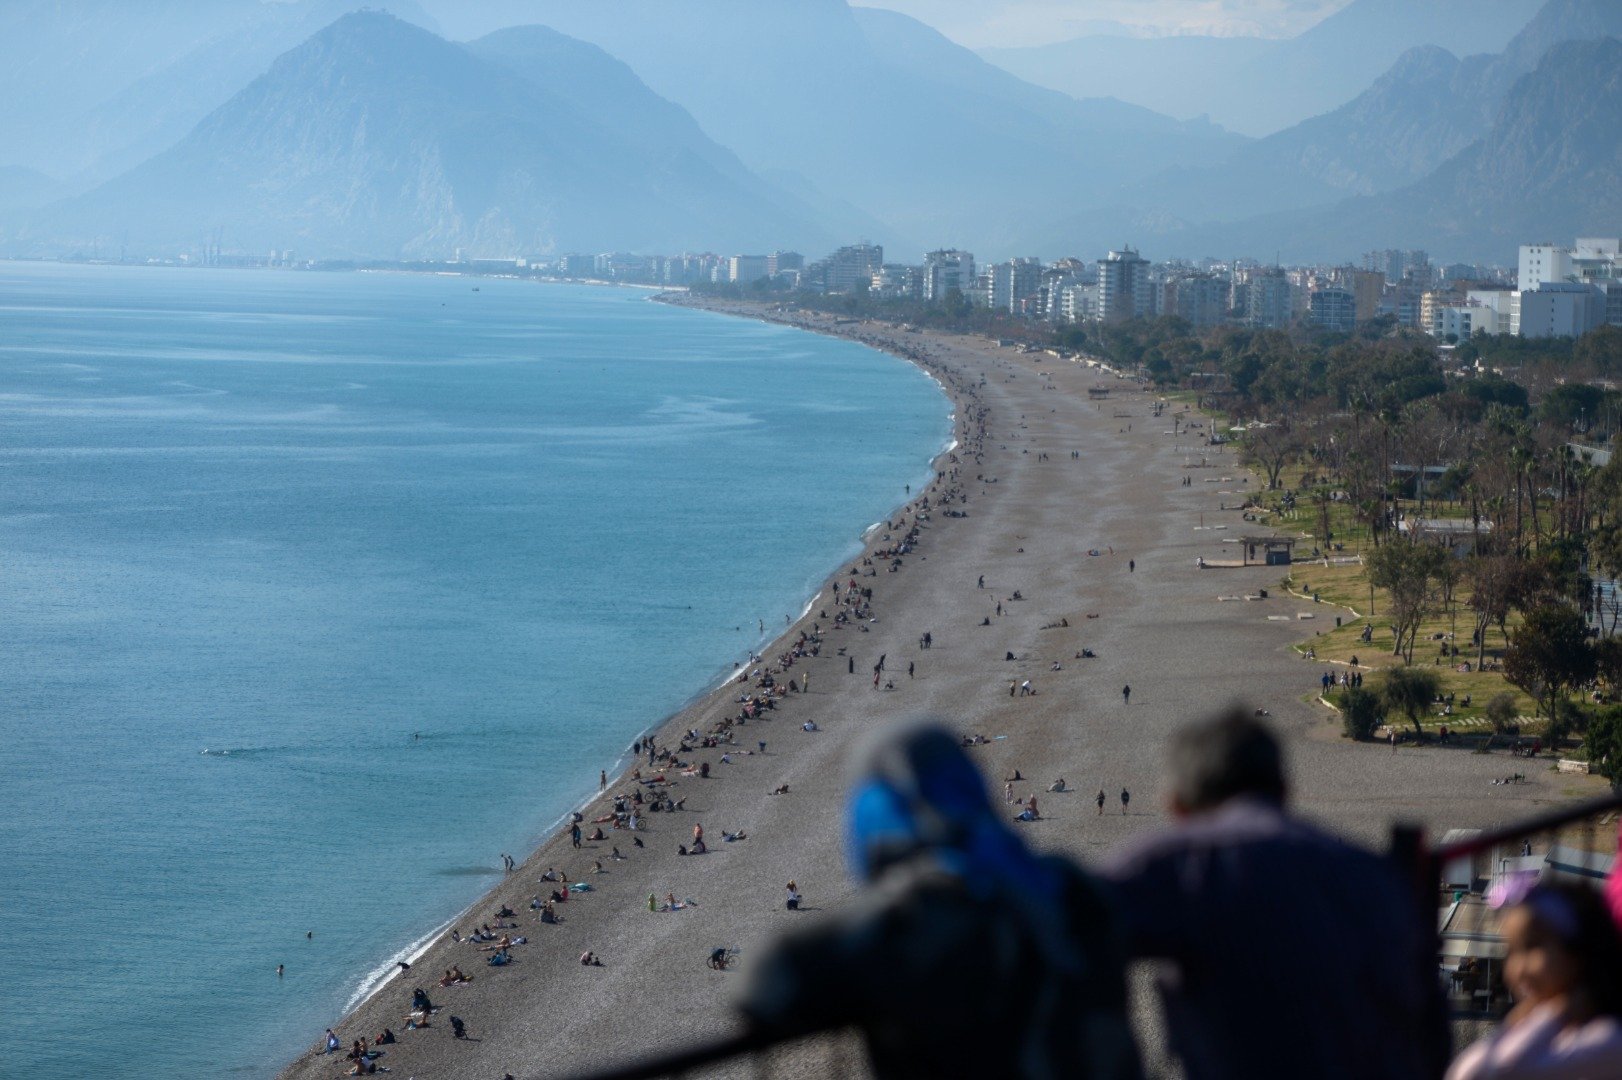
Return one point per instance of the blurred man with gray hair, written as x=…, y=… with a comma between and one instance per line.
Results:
x=1288, y=952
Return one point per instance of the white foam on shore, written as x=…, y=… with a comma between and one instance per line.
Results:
x=386, y=972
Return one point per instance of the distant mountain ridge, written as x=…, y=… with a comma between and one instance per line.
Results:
x=1423, y=112
x=1549, y=166
x=1259, y=87
x=378, y=139
x=873, y=109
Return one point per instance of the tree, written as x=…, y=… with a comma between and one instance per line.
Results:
x=1410, y=691
x=1404, y=568
x=1497, y=583
x=1604, y=743
x=1501, y=711
x=1549, y=653
x=1361, y=711
x=1272, y=446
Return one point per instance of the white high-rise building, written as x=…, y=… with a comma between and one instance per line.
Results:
x=1562, y=309
x=1123, y=286
x=1014, y=281
x=948, y=270
x=1540, y=263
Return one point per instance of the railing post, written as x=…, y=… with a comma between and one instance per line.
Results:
x=1418, y=867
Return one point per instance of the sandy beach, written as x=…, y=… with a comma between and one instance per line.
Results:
x=1077, y=505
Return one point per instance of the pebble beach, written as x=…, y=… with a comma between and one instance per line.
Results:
x=1060, y=522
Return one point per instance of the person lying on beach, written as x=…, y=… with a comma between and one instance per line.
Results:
x=417, y=1019
x=810, y=725
x=783, y=790
x=505, y=912
x=731, y=837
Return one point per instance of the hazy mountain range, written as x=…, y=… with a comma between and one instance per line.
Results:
x=747, y=125
x=375, y=138
x=1257, y=86
x=1425, y=119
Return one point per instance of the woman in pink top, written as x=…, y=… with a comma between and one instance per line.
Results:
x=1565, y=970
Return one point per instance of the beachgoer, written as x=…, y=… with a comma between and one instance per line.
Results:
x=333, y=1042
x=1126, y=695
x=793, y=901
x=996, y=962
x=279, y=970
x=1237, y=893
x=1126, y=797
x=1100, y=801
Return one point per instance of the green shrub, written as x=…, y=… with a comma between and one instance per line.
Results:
x=1361, y=711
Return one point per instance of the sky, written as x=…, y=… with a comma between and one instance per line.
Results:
x=983, y=23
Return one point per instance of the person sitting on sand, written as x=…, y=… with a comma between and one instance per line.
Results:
x=718, y=959
x=498, y=959
x=590, y=959
x=1057, y=785
x=419, y=1000
x=782, y=790
x=363, y=1066
x=384, y=1038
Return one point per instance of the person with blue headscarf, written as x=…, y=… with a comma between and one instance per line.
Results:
x=965, y=953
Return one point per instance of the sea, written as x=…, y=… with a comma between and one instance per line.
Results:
x=320, y=591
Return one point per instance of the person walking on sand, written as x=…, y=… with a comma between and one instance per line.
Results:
x=1100, y=802
x=876, y=672
x=1131, y=566
x=574, y=834
x=1126, y=695
x=1126, y=797
x=910, y=667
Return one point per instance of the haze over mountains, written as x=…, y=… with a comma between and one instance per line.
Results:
x=750, y=125
x=377, y=139
x=1256, y=86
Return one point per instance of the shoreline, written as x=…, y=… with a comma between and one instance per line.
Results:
x=1158, y=627
x=388, y=972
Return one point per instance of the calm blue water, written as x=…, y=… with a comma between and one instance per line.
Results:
x=293, y=519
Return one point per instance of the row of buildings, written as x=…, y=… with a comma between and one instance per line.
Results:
x=1555, y=291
